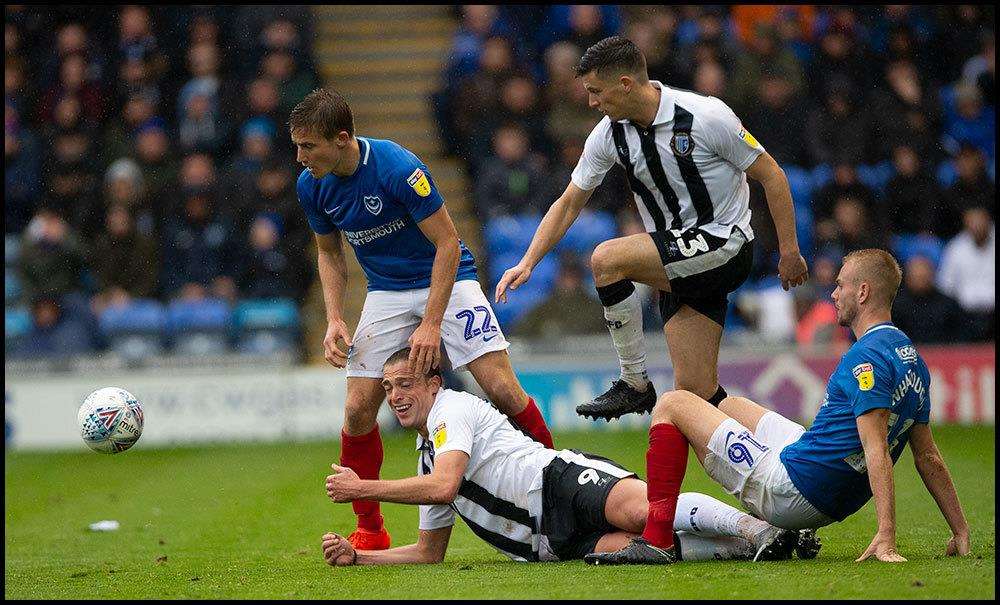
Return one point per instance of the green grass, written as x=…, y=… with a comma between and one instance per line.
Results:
x=245, y=522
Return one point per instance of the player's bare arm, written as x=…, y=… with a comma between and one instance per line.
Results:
x=333, y=277
x=873, y=428
x=425, y=342
x=557, y=220
x=431, y=546
x=439, y=487
x=934, y=473
x=792, y=267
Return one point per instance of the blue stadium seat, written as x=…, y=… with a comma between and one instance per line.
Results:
x=876, y=176
x=801, y=184
x=906, y=247
x=134, y=330
x=199, y=327
x=11, y=250
x=17, y=325
x=589, y=230
x=513, y=233
x=12, y=289
x=266, y=326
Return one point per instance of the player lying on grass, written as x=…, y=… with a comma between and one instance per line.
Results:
x=877, y=401
x=530, y=502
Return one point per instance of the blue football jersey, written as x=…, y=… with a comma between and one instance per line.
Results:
x=377, y=209
x=881, y=370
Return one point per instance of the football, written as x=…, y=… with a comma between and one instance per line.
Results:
x=110, y=420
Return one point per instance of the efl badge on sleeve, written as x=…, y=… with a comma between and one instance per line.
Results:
x=865, y=374
x=440, y=435
x=419, y=183
x=682, y=144
x=748, y=138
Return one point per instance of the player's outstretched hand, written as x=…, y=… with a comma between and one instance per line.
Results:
x=958, y=546
x=884, y=549
x=343, y=485
x=512, y=278
x=336, y=330
x=792, y=270
x=425, y=348
x=337, y=551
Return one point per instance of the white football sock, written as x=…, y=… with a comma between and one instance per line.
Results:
x=704, y=548
x=624, y=321
x=705, y=516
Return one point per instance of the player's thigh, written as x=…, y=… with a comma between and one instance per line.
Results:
x=633, y=257
x=627, y=506
x=694, y=417
x=364, y=397
x=469, y=328
x=614, y=541
x=744, y=411
x=386, y=324
x=493, y=372
x=693, y=340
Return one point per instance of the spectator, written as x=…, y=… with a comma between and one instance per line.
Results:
x=710, y=79
x=119, y=134
x=293, y=82
x=839, y=130
x=256, y=136
x=569, y=310
x=476, y=100
x=124, y=186
x=923, y=312
x=262, y=102
x=906, y=112
x=972, y=188
x=52, y=258
x=968, y=271
x=198, y=252
x=778, y=120
x=57, y=330
x=273, y=194
x=850, y=229
x=513, y=181
x=912, y=195
x=125, y=262
x=152, y=153
x=972, y=123
x=845, y=183
x=22, y=172
x=73, y=82
x=657, y=47
x=816, y=319
x=765, y=54
x=200, y=120
x=268, y=270
x=981, y=70
x=839, y=59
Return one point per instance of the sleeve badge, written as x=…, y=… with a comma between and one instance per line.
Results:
x=865, y=375
x=749, y=139
x=440, y=435
x=419, y=183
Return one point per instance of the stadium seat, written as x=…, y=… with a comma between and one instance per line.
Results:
x=12, y=289
x=134, y=330
x=17, y=325
x=876, y=176
x=906, y=247
x=199, y=327
x=511, y=233
x=266, y=326
x=589, y=230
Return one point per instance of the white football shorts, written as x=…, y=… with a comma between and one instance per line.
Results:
x=388, y=319
x=747, y=465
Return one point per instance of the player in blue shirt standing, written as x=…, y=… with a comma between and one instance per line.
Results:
x=877, y=401
x=422, y=282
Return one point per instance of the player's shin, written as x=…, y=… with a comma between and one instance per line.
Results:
x=363, y=454
x=530, y=419
x=666, y=461
x=692, y=547
x=704, y=515
x=623, y=315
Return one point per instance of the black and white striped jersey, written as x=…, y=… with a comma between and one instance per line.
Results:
x=686, y=170
x=500, y=498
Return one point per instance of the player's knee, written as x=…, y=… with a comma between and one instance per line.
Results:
x=669, y=404
x=603, y=262
x=703, y=387
x=507, y=395
x=360, y=416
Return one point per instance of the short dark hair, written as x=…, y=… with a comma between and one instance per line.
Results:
x=615, y=53
x=404, y=355
x=324, y=112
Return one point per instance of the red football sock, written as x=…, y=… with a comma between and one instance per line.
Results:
x=363, y=454
x=530, y=419
x=666, y=462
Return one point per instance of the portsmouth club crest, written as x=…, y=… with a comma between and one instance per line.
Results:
x=373, y=204
x=682, y=144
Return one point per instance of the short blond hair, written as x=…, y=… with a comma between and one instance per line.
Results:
x=880, y=270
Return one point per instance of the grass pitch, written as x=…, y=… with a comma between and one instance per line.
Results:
x=245, y=521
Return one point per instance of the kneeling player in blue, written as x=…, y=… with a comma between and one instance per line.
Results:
x=877, y=401
x=530, y=502
x=422, y=282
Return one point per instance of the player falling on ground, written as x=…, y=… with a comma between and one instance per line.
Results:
x=422, y=283
x=687, y=158
x=877, y=401
x=530, y=502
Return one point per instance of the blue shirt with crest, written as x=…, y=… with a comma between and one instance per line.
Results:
x=377, y=209
x=881, y=370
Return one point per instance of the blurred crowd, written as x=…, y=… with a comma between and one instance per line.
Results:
x=882, y=117
x=145, y=161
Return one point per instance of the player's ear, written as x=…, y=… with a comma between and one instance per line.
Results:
x=627, y=82
x=864, y=292
x=342, y=138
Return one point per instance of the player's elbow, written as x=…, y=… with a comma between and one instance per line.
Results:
x=446, y=492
